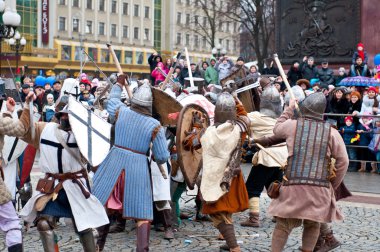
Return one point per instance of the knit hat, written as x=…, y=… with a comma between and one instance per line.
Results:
x=240, y=58
x=357, y=94
x=50, y=96
x=95, y=82
x=361, y=45
x=314, y=81
x=372, y=89
x=348, y=118
x=303, y=81
x=368, y=113
x=25, y=86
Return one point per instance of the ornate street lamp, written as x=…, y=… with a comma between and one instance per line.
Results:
x=218, y=51
x=17, y=44
x=11, y=20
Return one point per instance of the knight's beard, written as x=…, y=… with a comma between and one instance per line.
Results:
x=64, y=124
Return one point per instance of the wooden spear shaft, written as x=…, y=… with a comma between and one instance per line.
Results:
x=120, y=71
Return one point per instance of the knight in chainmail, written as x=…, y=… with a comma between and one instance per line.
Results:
x=265, y=169
x=307, y=194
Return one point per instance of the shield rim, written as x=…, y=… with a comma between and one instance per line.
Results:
x=188, y=181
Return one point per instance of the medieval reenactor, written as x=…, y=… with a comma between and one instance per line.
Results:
x=307, y=194
x=9, y=221
x=265, y=169
x=222, y=184
x=136, y=132
x=65, y=191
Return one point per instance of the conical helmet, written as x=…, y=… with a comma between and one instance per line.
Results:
x=270, y=102
x=143, y=96
x=225, y=108
x=313, y=106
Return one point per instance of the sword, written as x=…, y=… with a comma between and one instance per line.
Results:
x=189, y=68
x=248, y=87
x=165, y=75
x=31, y=118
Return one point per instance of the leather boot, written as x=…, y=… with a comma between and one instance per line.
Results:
x=169, y=234
x=87, y=239
x=252, y=221
x=143, y=232
x=374, y=168
x=101, y=241
x=16, y=248
x=329, y=243
x=119, y=226
x=362, y=167
x=47, y=239
x=228, y=232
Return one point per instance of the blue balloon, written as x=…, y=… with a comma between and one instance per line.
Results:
x=50, y=80
x=376, y=60
x=40, y=81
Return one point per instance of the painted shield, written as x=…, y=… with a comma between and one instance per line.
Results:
x=92, y=132
x=201, y=101
x=13, y=146
x=163, y=105
x=10, y=90
x=190, y=160
x=70, y=87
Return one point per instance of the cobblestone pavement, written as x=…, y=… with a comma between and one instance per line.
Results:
x=360, y=231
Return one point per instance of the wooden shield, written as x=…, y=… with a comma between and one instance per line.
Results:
x=163, y=105
x=190, y=162
x=92, y=132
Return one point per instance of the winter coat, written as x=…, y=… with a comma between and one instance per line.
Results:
x=211, y=75
x=339, y=78
x=357, y=106
x=326, y=76
x=356, y=54
x=366, y=136
x=224, y=69
x=308, y=72
x=368, y=104
x=294, y=74
x=158, y=76
x=271, y=71
x=361, y=70
x=185, y=73
x=348, y=132
x=338, y=107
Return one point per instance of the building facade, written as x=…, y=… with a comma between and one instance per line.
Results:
x=58, y=30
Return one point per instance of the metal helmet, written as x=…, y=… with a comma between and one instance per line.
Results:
x=313, y=106
x=64, y=110
x=265, y=82
x=113, y=78
x=225, y=108
x=142, y=99
x=298, y=93
x=270, y=102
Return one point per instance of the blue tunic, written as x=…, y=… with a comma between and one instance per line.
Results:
x=134, y=132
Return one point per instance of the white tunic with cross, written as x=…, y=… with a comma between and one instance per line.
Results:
x=88, y=213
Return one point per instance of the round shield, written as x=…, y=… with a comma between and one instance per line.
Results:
x=163, y=105
x=190, y=161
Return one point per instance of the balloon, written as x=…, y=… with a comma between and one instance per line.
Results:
x=40, y=81
x=50, y=80
x=376, y=60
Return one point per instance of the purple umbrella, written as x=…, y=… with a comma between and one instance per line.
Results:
x=359, y=81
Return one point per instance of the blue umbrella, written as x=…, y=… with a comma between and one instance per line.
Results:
x=359, y=81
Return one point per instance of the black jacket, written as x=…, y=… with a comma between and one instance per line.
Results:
x=271, y=71
x=308, y=72
x=294, y=74
x=326, y=76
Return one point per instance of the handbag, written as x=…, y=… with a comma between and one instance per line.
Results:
x=45, y=185
x=274, y=189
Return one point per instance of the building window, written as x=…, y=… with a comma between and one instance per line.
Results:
x=228, y=27
x=113, y=30
x=187, y=19
x=179, y=1
x=75, y=25
x=125, y=8
x=204, y=21
x=178, y=38
x=62, y=2
x=204, y=42
x=146, y=12
x=75, y=3
x=136, y=33
x=187, y=2
x=235, y=27
x=228, y=44
x=221, y=41
x=235, y=47
x=89, y=27
x=101, y=5
x=196, y=17
x=187, y=39
x=62, y=24
x=89, y=4
x=125, y=31
x=146, y=32
x=113, y=6
x=220, y=26
x=101, y=28
x=196, y=41
x=179, y=17
x=136, y=11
